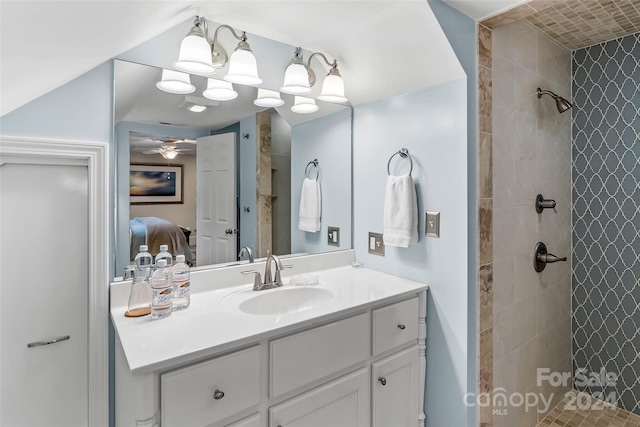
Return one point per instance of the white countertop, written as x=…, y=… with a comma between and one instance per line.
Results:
x=214, y=323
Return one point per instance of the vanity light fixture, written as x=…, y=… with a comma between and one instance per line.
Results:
x=219, y=90
x=303, y=105
x=175, y=82
x=268, y=98
x=199, y=55
x=299, y=78
x=296, y=76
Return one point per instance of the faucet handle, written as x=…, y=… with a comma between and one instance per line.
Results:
x=257, y=280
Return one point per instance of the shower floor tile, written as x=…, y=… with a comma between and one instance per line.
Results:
x=579, y=409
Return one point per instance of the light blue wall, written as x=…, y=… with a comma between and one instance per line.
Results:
x=123, y=160
x=79, y=110
x=432, y=125
x=327, y=139
x=462, y=35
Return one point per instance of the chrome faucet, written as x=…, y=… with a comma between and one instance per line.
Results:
x=269, y=281
x=246, y=250
x=277, y=281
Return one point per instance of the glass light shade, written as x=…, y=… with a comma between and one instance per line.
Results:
x=243, y=68
x=169, y=154
x=219, y=90
x=268, y=98
x=195, y=56
x=296, y=80
x=304, y=105
x=332, y=89
x=175, y=82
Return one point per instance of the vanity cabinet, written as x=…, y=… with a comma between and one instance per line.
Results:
x=359, y=369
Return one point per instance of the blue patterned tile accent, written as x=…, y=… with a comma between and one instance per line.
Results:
x=606, y=219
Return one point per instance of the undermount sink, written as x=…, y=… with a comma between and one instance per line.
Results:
x=285, y=300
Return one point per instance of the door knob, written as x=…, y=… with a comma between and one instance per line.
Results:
x=382, y=380
x=217, y=395
x=228, y=231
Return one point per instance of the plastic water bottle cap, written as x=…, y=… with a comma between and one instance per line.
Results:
x=144, y=248
x=162, y=263
x=164, y=248
x=180, y=258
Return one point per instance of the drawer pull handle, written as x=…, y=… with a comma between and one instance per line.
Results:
x=217, y=395
x=401, y=326
x=382, y=380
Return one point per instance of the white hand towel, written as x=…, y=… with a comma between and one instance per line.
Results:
x=310, y=206
x=400, y=212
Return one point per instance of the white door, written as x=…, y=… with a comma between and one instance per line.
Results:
x=44, y=295
x=216, y=227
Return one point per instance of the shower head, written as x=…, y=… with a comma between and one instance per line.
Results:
x=561, y=103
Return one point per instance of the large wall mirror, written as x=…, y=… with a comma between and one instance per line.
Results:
x=211, y=182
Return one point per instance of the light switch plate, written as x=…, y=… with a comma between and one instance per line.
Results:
x=432, y=228
x=375, y=244
x=333, y=236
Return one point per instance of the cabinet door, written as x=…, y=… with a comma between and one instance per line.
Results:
x=250, y=421
x=395, y=388
x=341, y=403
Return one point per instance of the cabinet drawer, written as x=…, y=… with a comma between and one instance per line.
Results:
x=341, y=403
x=187, y=394
x=311, y=355
x=395, y=325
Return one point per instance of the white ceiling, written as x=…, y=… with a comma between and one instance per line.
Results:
x=482, y=9
x=384, y=48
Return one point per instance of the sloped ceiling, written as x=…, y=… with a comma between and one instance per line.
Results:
x=387, y=47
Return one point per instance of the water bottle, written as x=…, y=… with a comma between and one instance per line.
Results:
x=162, y=291
x=164, y=254
x=181, y=284
x=144, y=260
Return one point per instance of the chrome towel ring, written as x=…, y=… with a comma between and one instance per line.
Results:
x=313, y=163
x=403, y=153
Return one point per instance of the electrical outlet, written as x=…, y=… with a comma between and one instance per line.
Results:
x=376, y=244
x=432, y=221
x=333, y=237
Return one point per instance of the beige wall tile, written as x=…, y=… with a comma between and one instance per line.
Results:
x=484, y=99
x=485, y=230
x=485, y=167
x=485, y=284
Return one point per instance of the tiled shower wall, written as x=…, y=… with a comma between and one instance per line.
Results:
x=606, y=173
x=531, y=155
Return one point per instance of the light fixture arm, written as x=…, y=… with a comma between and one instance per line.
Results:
x=333, y=65
x=242, y=37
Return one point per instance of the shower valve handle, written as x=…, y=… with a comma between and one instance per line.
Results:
x=541, y=257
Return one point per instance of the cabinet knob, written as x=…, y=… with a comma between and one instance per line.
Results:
x=401, y=326
x=217, y=395
x=382, y=380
